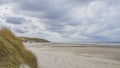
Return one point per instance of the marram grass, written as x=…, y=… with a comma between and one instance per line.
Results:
x=13, y=52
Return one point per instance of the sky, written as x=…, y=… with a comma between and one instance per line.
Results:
x=63, y=20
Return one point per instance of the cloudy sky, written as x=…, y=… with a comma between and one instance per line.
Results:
x=63, y=20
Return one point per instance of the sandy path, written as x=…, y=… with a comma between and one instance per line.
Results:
x=49, y=57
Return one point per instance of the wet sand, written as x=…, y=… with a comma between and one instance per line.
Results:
x=75, y=55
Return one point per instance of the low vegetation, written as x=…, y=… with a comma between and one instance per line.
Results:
x=26, y=39
x=13, y=52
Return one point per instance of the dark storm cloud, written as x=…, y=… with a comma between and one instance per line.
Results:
x=15, y=20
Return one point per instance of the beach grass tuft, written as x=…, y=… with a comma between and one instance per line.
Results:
x=13, y=53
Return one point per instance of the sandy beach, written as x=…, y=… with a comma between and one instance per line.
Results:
x=75, y=56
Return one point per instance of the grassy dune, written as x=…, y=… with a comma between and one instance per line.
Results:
x=13, y=52
x=26, y=39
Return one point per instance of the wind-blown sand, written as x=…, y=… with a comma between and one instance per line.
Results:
x=75, y=56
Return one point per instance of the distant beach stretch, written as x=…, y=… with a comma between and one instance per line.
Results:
x=58, y=55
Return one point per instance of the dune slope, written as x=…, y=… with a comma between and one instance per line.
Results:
x=13, y=53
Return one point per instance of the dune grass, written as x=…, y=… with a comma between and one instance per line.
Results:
x=26, y=39
x=13, y=52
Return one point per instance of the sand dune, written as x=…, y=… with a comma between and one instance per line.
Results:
x=76, y=57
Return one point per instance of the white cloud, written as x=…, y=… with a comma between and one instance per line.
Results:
x=64, y=20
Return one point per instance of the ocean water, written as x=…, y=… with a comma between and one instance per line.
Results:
x=104, y=44
x=73, y=44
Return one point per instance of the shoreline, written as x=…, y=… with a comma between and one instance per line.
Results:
x=62, y=56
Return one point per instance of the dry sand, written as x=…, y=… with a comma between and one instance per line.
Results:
x=75, y=56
